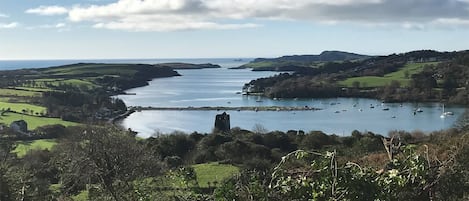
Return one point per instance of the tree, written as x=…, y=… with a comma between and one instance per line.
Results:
x=259, y=129
x=106, y=156
x=6, y=146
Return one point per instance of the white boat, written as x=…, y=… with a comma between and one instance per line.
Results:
x=444, y=113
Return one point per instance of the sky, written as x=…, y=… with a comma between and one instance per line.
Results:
x=126, y=29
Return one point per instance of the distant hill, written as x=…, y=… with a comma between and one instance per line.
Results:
x=188, y=65
x=323, y=57
x=295, y=62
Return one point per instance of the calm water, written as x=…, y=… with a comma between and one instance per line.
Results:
x=218, y=87
x=327, y=120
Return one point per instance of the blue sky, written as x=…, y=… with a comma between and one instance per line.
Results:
x=107, y=29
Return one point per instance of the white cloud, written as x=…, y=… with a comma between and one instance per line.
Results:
x=9, y=25
x=452, y=21
x=173, y=15
x=4, y=15
x=48, y=10
x=60, y=25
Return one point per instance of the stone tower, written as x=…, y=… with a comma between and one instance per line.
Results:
x=222, y=122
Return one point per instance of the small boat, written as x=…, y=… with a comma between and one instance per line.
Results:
x=444, y=114
x=449, y=113
x=361, y=110
x=419, y=110
x=337, y=112
x=385, y=109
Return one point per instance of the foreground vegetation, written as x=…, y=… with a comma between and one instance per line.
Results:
x=105, y=163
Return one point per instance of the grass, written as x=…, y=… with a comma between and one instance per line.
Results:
x=23, y=147
x=82, y=196
x=213, y=172
x=206, y=172
x=73, y=82
x=34, y=89
x=106, y=69
x=375, y=81
x=19, y=107
x=33, y=121
x=23, y=93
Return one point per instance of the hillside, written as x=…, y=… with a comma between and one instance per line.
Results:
x=77, y=93
x=179, y=66
x=423, y=75
x=296, y=62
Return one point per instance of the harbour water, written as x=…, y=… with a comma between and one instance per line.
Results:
x=221, y=87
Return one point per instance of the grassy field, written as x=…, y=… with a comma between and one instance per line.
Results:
x=33, y=121
x=23, y=147
x=23, y=93
x=210, y=172
x=375, y=81
x=19, y=107
x=34, y=89
x=106, y=69
x=73, y=82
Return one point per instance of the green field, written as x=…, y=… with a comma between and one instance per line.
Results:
x=375, y=81
x=33, y=121
x=23, y=147
x=23, y=93
x=34, y=89
x=19, y=107
x=105, y=69
x=73, y=82
x=210, y=172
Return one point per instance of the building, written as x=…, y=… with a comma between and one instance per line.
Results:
x=222, y=122
x=19, y=126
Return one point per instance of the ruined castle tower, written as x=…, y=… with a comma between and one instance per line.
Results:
x=222, y=122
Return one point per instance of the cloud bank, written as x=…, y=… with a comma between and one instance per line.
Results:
x=9, y=25
x=48, y=10
x=174, y=15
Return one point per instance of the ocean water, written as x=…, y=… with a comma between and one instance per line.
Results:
x=19, y=64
